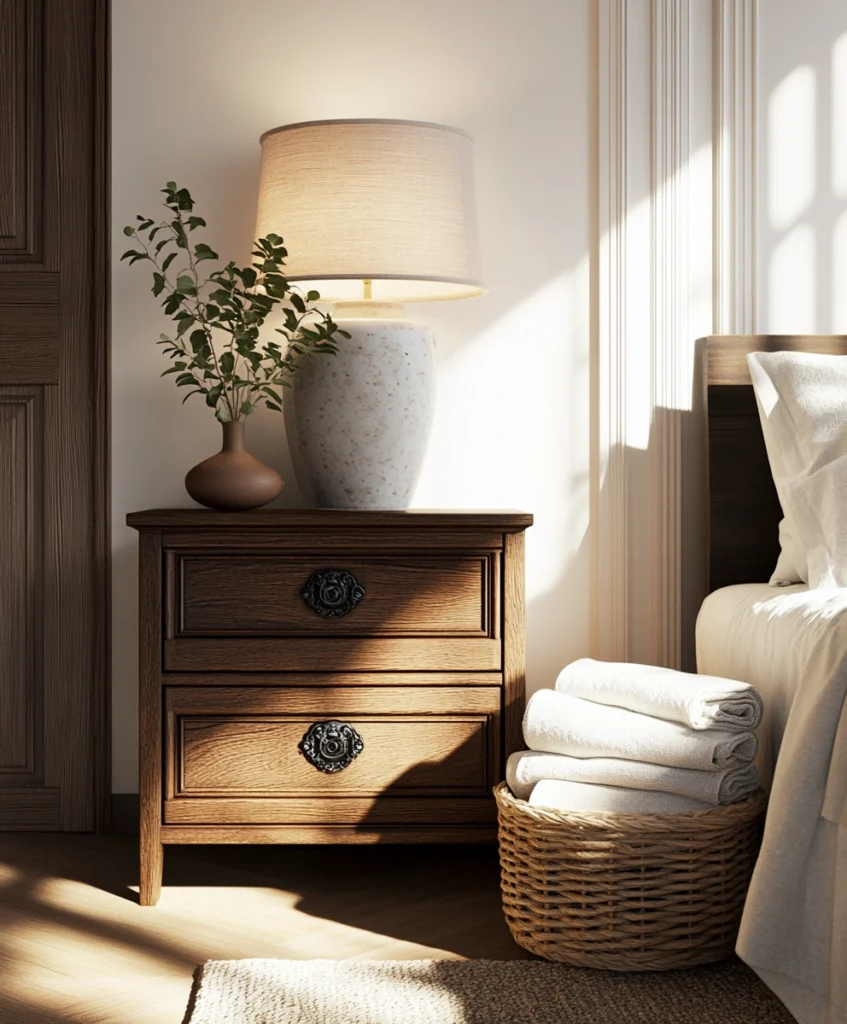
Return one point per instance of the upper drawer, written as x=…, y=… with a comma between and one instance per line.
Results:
x=320, y=612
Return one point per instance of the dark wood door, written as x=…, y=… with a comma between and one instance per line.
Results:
x=53, y=414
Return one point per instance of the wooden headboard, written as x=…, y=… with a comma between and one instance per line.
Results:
x=744, y=511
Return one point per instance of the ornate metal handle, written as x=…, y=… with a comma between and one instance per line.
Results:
x=332, y=592
x=331, y=746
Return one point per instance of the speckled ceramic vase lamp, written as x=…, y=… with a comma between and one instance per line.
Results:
x=374, y=214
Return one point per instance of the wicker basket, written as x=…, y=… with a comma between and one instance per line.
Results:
x=626, y=892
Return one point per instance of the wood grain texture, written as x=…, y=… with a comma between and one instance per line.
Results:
x=30, y=808
x=101, y=377
x=21, y=129
x=514, y=642
x=727, y=353
x=333, y=700
x=227, y=595
x=369, y=812
x=369, y=834
x=244, y=668
x=364, y=540
x=360, y=654
x=150, y=725
x=54, y=347
x=21, y=527
x=744, y=510
x=328, y=518
x=260, y=756
x=73, y=689
x=336, y=679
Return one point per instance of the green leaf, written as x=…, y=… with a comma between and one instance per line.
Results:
x=145, y=223
x=184, y=324
x=183, y=199
x=227, y=363
x=247, y=408
x=248, y=276
x=185, y=284
x=168, y=260
x=199, y=341
x=185, y=378
x=344, y=334
x=161, y=245
x=158, y=284
x=204, y=252
x=296, y=301
x=129, y=231
x=199, y=391
x=272, y=405
x=170, y=186
x=195, y=222
x=221, y=413
x=313, y=296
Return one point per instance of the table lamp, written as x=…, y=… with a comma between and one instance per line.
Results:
x=374, y=214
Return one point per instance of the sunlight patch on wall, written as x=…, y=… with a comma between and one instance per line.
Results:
x=791, y=282
x=839, y=122
x=791, y=148
x=512, y=423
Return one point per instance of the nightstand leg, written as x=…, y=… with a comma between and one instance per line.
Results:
x=152, y=862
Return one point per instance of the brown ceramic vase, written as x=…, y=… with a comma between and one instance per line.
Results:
x=232, y=480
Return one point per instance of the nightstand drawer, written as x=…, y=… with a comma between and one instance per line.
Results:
x=334, y=755
x=264, y=612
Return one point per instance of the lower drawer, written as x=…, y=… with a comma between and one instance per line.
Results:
x=331, y=755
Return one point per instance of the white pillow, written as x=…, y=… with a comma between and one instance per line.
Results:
x=802, y=398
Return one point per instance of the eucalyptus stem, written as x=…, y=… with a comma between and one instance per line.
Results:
x=251, y=371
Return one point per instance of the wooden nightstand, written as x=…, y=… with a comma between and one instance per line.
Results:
x=326, y=676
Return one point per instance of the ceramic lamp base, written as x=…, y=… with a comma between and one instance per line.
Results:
x=358, y=423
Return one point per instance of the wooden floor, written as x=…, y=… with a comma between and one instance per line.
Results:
x=75, y=945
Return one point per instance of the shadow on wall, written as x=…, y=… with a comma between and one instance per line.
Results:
x=636, y=569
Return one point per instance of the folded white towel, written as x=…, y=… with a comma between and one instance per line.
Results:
x=584, y=796
x=701, y=702
x=561, y=724
x=525, y=768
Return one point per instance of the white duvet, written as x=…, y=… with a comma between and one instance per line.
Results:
x=791, y=643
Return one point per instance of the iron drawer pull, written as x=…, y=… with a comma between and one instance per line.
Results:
x=331, y=746
x=332, y=592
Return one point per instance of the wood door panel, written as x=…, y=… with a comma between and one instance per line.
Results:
x=54, y=276
x=427, y=595
x=21, y=470
x=21, y=129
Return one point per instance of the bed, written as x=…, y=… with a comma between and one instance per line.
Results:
x=791, y=643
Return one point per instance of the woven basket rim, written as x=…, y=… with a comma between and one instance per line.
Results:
x=714, y=818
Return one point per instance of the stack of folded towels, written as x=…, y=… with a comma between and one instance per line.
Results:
x=637, y=739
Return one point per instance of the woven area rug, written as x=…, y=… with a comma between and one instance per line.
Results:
x=473, y=992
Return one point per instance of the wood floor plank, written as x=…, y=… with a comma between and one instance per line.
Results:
x=76, y=947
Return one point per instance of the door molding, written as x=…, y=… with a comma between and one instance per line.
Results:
x=55, y=732
x=672, y=256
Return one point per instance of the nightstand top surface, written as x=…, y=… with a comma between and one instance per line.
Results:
x=510, y=521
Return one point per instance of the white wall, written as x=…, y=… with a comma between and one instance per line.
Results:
x=195, y=82
x=802, y=166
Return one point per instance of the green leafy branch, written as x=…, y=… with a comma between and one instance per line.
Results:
x=215, y=350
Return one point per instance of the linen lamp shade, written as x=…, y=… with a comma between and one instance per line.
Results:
x=376, y=210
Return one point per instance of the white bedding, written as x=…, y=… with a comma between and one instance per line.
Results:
x=791, y=643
